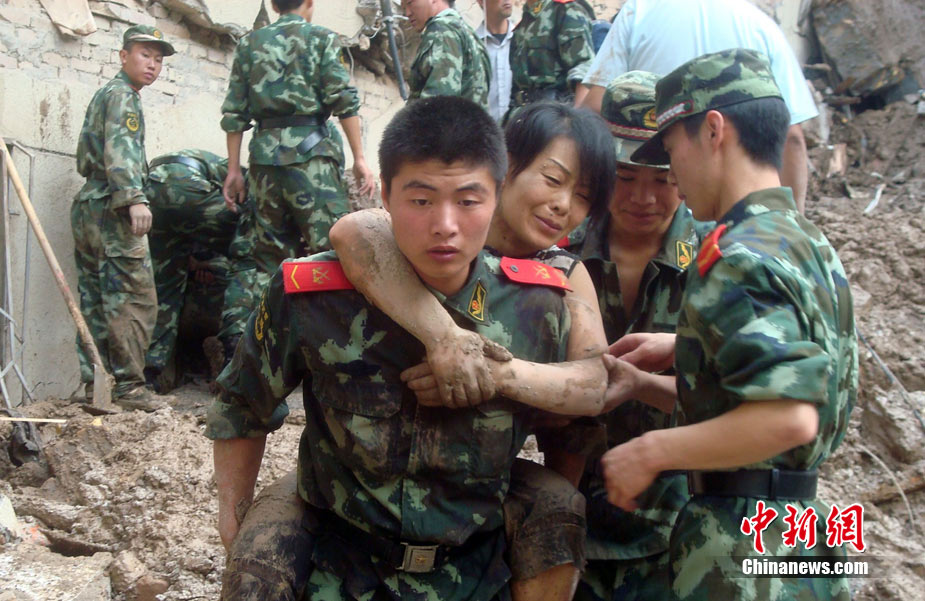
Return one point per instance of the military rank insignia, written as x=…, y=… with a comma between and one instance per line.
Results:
x=477, y=302
x=526, y=271
x=685, y=254
x=260, y=323
x=709, y=250
x=131, y=122
x=314, y=276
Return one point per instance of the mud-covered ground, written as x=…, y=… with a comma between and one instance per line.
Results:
x=139, y=486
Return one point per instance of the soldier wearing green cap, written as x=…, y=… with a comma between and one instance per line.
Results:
x=765, y=352
x=110, y=219
x=551, y=50
x=451, y=60
x=637, y=255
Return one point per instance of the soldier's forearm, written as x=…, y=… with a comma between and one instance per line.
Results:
x=233, y=142
x=351, y=127
x=752, y=432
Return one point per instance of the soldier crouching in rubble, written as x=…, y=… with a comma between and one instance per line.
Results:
x=402, y=499
x=110, y=218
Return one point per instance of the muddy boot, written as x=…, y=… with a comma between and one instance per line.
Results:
x=140, y=398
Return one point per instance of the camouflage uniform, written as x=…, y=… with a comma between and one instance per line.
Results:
x=372, y=457
x=189, y=219
x=628, y=552
x=114, y=276
x=451, y=61
x=292, y=72
x=550, y=51
x=766, y=315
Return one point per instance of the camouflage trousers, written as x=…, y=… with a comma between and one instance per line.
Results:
x=277, y=553
x=296, y=207
x=625, y=580
x=243, y=292
x=185, y=222
x=707, y=548
x=116, y=287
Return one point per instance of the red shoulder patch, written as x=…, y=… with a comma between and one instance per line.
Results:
x=563, y=243
x=709, y=250
x=314, y=276
x=525, y=271
x=563, y=1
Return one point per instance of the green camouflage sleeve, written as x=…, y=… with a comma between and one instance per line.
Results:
x=753, y=332
x=440, y=66
x=338, y=96
x=123, y=149
x=576, y=51
x=236, y=115
x=267, y=365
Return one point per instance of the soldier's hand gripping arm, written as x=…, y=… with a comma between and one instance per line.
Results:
x=575, y=387
x=373, y=263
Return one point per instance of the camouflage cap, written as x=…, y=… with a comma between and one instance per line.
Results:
x=147, y=33
x=707, y=82
x=628, y=107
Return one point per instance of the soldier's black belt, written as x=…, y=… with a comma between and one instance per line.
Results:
x=522, y=97
x=764, y=484
x=194, y=164
x=312, y=139
x=402, y=556
x=292, y=121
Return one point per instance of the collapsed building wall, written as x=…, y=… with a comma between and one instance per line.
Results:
x=54, y=54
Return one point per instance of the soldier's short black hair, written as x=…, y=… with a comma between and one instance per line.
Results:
x=447, y=128
x=762, y=126
x=535, y=126
x=284, y=6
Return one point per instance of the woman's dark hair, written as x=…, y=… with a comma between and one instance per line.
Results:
x=535, y=126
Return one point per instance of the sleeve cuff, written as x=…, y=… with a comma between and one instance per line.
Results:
x=229, y=420
x=127, y=197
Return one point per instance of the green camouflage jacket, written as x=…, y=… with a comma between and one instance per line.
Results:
x=551, y=47
x=451, y=61
x=210, y=175
x=290, y=67
x=613, y=533
x=111, y=146
x=369, y=452
x=771, y=319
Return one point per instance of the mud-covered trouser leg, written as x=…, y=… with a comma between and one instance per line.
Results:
x=170, y=258
x=116, y=287
x=295, y=203
x=544, y=518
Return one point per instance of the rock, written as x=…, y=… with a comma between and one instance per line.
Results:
x=149, y=587
x=9, y=525
x=36, y=573
x=888, y=420
x=848, y=36
x=51, y=513
x=126, y=570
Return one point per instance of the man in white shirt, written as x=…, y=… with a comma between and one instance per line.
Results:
x=496, y=32
x=660, y=35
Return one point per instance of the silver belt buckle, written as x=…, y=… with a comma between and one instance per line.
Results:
x=419, y=558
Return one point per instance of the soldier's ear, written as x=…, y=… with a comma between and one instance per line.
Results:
x=714, y=127
x=384, y=186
